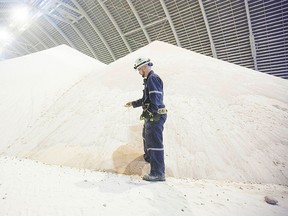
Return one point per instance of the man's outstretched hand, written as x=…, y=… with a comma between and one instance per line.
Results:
x=129, y=104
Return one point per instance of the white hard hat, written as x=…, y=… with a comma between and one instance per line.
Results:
x=140, y=62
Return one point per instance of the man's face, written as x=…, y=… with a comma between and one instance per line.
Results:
x=142, y=70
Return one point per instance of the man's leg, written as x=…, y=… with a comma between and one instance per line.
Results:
x=155, y=148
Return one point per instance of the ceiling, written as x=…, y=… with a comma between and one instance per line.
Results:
x=250, y=33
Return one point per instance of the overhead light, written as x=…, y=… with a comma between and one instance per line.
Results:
x=20, y=15
x=5, y=36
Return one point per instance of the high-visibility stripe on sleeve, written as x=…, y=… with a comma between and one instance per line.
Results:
x=155, y=149
x=156, y=92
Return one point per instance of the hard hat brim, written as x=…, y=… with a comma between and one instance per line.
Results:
x=142, y=63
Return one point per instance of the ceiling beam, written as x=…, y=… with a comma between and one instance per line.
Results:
x=84, y=40
x=170, y=22
x=139, y=20
x=102, y=4
x=70, y=7
x=70, y=20
x=46, y=33
x=79, y=34
x=213, y=49
x=164, y=19
x=48, y=19
x=251, y=36
x=83, y=13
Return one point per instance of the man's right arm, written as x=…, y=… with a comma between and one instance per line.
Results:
x=137, y=103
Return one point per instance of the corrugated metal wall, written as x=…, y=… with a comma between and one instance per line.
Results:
x=249, y=33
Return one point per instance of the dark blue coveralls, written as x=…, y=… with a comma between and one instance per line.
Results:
x=153, y=130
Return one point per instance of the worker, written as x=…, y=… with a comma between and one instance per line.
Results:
x=154, y=115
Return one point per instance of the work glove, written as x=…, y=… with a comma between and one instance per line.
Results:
x=129, y=104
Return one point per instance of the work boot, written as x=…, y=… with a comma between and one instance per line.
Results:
x=153, y=178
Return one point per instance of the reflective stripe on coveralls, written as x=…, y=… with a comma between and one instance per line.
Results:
x=158, y=92
x=155, y=149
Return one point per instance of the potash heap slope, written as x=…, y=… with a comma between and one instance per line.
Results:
x=29, y=85
x=225, y=122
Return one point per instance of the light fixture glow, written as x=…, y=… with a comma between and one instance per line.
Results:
x=5, y=37
x=20, y=15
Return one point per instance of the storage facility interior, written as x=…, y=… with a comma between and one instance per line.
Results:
x=250, y=33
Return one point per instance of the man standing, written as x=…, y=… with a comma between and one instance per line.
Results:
x=154, y=115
